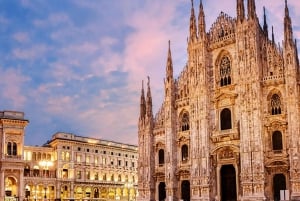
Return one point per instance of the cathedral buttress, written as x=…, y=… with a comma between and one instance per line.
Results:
x=291, y=70
x=146, y=162
x=170, y=130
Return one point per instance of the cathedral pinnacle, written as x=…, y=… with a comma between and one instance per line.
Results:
x=201, y=20
x=265, y=28
x=240, y=10
x=149, y=100
x=193, y=28
x=288, y=31
x=251, y=9
x=169, y=69
x=273, y=38
x=142, y=103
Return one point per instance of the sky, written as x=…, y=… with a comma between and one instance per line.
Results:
x=77, y=66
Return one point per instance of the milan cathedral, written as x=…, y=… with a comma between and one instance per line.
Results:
x=228, y=128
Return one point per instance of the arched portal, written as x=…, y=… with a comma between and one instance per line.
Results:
x=228, y=183
x=11, y=187
x=161, y=191
x=278, y=184
x=185, y=190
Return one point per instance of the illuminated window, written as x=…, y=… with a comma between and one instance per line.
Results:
x=88, y=175
x=78, y=174
x=67, y=156
x=78, y=158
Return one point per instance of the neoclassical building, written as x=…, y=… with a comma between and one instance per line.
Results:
x=228, y=128
x=67, y=167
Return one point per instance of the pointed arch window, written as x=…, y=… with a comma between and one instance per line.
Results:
x=275, y=104
x=277, y=141
x=225, y=71
x=161, y=157
x=225, y=119
x=185, y=122
x=184, y=153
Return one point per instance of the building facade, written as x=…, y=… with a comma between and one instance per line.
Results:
x=67, y=167
x=228, y=128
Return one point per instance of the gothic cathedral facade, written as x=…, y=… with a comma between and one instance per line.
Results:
x=228, y=128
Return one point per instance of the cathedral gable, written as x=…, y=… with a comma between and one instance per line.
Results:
x=222, y=31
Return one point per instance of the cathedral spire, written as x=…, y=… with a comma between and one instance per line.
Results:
x=288, y=31
x=296, y=52
x=193, y=28
x=273, y=38
x=149, y=100
x=169, y=67
x=265, y=28
x=251, y=9
x=240, y=10
x=142, y=103
x=201, y=21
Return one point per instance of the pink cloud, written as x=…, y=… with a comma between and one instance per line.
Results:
x=21, y=37
x=11, y=83
x=34, y=52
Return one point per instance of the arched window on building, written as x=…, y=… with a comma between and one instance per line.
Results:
x=225, y=71
x=185, y=122
x=15, y=149
x=12, y=149
x=225, y=118
x=184, y=153
x=39, y=156
x=161, y=157
x=9, y=152
x=34, y=156
x=275, y=104
x=277, y=141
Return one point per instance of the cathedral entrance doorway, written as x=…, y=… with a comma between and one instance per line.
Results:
x=228, y=183
x=162, y=191
x=278, y=184
x=185, y=190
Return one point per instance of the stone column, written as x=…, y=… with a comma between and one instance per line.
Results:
x=72, y=190
x=21, y=185
x=2, y=184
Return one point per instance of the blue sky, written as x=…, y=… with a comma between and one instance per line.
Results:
x=77, y=65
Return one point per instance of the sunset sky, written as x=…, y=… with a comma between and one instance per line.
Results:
x=77, y=66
